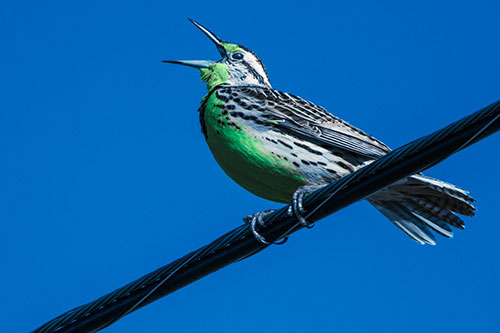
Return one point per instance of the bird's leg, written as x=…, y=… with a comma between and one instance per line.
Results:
x=253, y=219
x=296, y=207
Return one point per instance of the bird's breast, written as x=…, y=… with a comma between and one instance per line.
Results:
x=237, y=145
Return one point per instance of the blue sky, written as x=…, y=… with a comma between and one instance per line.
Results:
x=105, y=175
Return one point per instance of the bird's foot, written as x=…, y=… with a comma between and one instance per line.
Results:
x=296, y=208
x=257, y=218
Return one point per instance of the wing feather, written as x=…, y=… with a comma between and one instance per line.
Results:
x=308, y=121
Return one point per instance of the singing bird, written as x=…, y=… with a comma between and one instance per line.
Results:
x=281, y=147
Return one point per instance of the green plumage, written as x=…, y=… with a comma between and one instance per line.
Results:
x=245, y=158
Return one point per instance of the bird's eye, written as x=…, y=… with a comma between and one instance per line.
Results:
x=237, y=55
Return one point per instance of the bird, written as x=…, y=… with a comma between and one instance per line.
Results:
x=281, y=147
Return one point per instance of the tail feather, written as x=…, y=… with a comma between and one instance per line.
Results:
x=438, y=226
x=442, y=194
x=406, y=221
x=421, y=204
x=433, y=208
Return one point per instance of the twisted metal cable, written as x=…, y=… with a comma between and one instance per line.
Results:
x=240, y=242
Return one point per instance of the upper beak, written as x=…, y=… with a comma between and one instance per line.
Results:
x=202, y=63
x=216, y=40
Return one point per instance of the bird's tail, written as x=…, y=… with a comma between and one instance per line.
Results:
x=420, y=204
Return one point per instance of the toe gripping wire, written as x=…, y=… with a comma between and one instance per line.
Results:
x=258, y=219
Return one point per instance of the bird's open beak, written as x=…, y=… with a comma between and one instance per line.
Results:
x=202, y=63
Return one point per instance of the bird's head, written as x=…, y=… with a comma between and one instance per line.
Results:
x=238, y=66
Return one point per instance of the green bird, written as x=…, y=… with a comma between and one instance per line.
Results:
x=280, y=147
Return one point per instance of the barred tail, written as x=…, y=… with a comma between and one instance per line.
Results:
x=421, y=204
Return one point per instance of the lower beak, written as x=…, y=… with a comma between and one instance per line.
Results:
x=191, y=63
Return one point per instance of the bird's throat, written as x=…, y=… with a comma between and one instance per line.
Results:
x=215, y=75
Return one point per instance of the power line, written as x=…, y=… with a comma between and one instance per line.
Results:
x=240, y=243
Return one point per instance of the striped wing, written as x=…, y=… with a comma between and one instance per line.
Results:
x=308, y=121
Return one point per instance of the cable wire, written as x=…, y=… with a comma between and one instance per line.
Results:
x=240, y=243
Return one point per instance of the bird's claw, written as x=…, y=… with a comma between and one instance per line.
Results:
x=296, y=207
x=255, y=219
